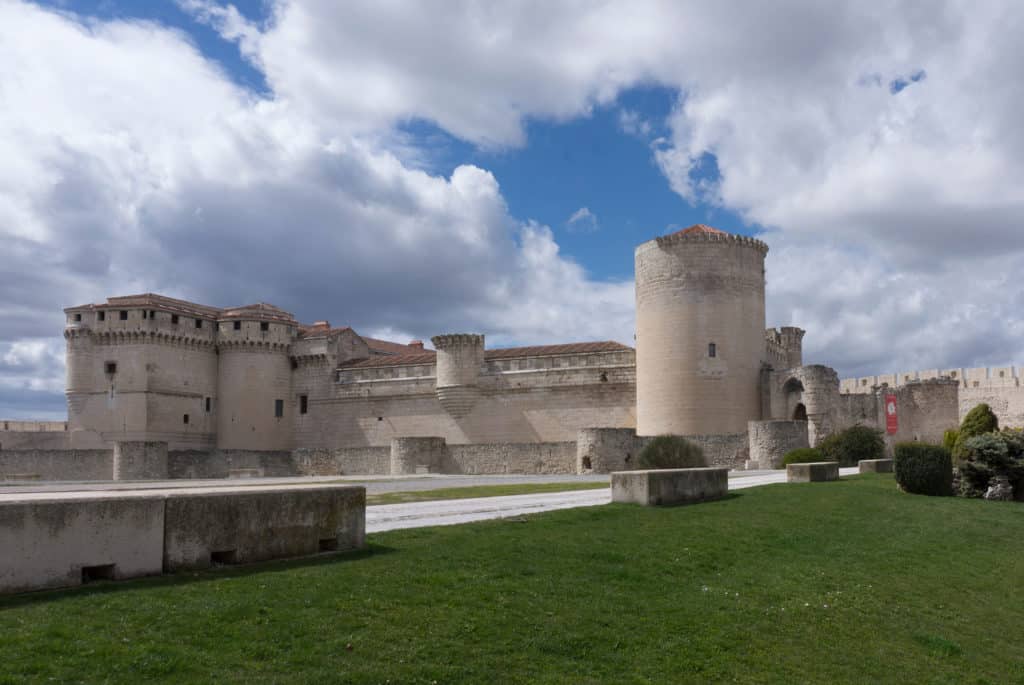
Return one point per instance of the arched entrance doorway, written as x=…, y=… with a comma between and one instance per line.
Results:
x=800, y=412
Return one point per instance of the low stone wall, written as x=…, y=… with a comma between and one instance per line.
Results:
x=56, y=464
x=230, y=463
x=771, y=440
x=670, y=486
x=512, y=457
x=730, y=450
x=363, y=461
x=411, y=455
x=257, y=524
x=134, y=460
x=63, y=542
x=604, y=450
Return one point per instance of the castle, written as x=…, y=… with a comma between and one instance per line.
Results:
x=252, y=379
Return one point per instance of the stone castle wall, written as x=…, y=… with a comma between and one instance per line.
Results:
x=1000, y=387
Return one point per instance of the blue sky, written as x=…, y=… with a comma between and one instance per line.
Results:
x=412, y=169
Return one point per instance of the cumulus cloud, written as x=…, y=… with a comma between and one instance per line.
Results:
x=876, y=144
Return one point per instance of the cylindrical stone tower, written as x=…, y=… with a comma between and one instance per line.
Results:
x=459, y=357
x=255, y=404
x=699, y=332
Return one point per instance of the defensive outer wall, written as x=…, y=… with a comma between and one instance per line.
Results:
x=1000, y=387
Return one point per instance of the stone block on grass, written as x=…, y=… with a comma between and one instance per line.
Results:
x=812, y=472
x=657, y=487
x=875, y=465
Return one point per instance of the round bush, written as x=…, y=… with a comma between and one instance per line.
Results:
x=978, y=421
x=853, y=444
x=924, y=469
x=670, y=452
x=802, y=455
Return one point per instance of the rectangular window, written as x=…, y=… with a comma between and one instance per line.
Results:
x=123, y=315
x=174, y=319
x=111, y=367
x=712, y=350
x=207, y=405
x=184, y=418
x=102, y=316
x=264, y=326
x=144, y=314
x=278, y=408
x=78, y=317
x=199, y=323
x=238, y=325
x=303, y=404
x=152, y=314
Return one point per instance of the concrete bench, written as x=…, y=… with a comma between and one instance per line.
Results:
x=670, y=486
x=245, y=525
x=875, y=465
x=51, y=540
x=65, y=541
x=813, y=472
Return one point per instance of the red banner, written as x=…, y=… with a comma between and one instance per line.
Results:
x=892, y=423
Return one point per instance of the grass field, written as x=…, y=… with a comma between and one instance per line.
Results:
x=479, y=491
x=826, y=582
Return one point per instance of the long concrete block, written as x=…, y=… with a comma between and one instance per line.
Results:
x=875, y=465
x=670, y=486
x=813, y=472
x=63, y=542
x=256, y=524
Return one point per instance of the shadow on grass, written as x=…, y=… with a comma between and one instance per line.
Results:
x=104, y=587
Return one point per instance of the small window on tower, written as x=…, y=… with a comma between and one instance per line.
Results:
x=174, y=319
x=152, y=314
x=123, y=315
x=208, y=405
x=78, y=317
x=111, y=367
x=238, y=325
x=264, y=326
x=712, y=350
x=278, y=408
x=303, y=404
x=184, y=418
x=102, y=316
x=199, y=323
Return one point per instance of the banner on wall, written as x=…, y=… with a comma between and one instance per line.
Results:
x=891, y=420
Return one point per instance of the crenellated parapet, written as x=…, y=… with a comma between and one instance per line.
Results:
x=254, y=346
x=697, y=237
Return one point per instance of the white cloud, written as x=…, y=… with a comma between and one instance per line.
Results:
x=633, y=123
x=129, y=162
x=582, y=220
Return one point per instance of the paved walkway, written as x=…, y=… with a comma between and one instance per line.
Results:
x=385, y=517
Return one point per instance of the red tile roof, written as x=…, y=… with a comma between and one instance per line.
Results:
x=428, y=357
x=699, y=228
x=388, y=347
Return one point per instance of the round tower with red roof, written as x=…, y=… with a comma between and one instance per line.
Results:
x=700, y=322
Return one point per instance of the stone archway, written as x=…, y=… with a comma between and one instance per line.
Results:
x=800, y=412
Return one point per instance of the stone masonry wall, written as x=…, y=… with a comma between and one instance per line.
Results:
x=771, y=440
x=344, y=460
x=56, y=464
x=523, y=457
x=228, y=463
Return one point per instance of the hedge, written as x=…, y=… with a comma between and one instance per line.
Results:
x=670, y=452
x=853, y=444
x=802, y=455
x=924, y=469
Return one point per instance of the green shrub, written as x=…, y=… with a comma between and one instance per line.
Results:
x=949, y=438
x=802, y=455
x=853, y=444
x=978, y=421
x=988, y=455
x=924, y=469
x=670, y=452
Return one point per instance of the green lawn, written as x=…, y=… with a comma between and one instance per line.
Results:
x=825, y=582
x=479, y=491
